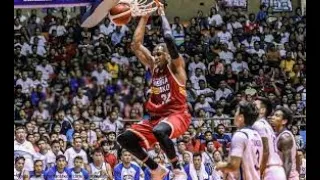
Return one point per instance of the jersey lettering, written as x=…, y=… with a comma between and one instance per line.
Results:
x=167, y=96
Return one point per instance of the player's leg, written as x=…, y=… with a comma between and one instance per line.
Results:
x=131, y=142
x=162, y=132
x=135, y=138
x=172, y=127
x=139, y=136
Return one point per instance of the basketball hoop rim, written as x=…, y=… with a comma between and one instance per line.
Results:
x=119, y=15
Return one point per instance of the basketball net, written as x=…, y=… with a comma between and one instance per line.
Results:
x=141, y=7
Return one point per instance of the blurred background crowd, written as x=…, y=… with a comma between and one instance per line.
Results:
x=79, y=88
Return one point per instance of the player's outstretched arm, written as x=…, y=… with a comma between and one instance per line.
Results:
x=285, y=145
x=232, y=165
x=177, y=60
x=142, y=53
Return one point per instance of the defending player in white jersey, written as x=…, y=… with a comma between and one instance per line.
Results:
x=285, y=142
x=271, y=167
x=246, y=145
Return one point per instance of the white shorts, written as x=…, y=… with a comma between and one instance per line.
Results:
x=274, y=173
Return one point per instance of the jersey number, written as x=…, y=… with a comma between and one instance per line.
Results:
x=165, y=98
x=275, y=145
x=257, y=165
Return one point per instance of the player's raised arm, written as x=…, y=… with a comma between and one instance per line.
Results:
x=285, y=145
x=142, y=53
x=176, y=59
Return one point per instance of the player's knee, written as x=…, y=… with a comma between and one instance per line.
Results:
x=121, y=138
x=124, y=138
x=161, y=131
x=158, y=133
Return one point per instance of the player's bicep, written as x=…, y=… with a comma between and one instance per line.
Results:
x=143, y=54
x=178, y=63
x=285, y=145
x=146, y=52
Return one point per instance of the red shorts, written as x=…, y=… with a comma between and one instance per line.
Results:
x=179, y=123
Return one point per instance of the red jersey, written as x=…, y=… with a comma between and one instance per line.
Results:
x=168, y=96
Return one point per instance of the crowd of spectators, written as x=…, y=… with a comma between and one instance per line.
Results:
x=76, y=89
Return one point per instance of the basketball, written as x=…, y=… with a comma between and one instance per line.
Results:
x=120, y=14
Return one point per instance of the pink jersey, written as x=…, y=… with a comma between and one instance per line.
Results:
x=294, y=175
x=247, y=144
x=265, y=130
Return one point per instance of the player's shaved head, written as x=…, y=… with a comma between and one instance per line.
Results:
x=162, y=47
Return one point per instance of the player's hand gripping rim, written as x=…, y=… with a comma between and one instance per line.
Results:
x=160, y=8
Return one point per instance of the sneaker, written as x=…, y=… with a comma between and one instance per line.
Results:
x=159, y=173
x=179, y=174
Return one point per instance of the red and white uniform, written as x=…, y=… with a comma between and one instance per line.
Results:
x=274, y=169
x=294, y=175
x=246, y=143
x=168, y=96
x=167, y=103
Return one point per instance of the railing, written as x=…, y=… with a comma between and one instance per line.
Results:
x=194, y=119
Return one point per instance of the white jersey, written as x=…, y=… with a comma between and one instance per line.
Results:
x=77, y=176
x=37, y=178
x=96, y=171
x=61, y=176
x=207, y=159
x=70, y=154
x=180, y=156
x=294, y=173
x=47, y=159
x=18, y=175
x=265, y=130
x=246, y=143
x=26, y=150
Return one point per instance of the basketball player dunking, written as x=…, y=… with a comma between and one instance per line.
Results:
x=285, y=142
x=167, y=103
x=246, y=145
x=271, y=167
